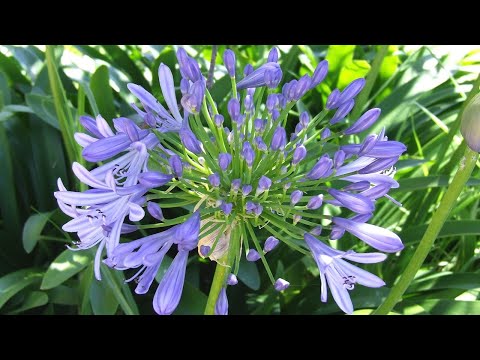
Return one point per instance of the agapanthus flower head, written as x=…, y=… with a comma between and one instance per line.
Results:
x=191, y=157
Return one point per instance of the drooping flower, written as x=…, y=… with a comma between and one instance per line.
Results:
x=339, y=275
x=148, y=254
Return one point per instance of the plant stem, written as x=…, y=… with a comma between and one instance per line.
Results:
x=464, y=171
x=224, y=266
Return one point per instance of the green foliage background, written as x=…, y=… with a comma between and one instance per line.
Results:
x=43, y=91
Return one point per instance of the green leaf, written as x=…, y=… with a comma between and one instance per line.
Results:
x=9, y=203
x=12, y=283
x=450, y=228
x=32, y=229
x=67, y=264
x=119, y=289
x=62, y=106
x=122, y=61
x=91, y=98
x=100, y=86
x=86, y=279
x=465, y=281
x=221, y=88
x=338, y=56
x=63, y=295
x=13, y=70
x=425, y=182
x=248, y=274
x=450, y=307
x=18, y=108
x=102, y=299
x=351, y=71
x=33, y=299
x=44, y=108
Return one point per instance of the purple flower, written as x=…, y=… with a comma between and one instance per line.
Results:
x=253, y=255
x=248, y=103
x=154, y=179
x=204, y=250
x=170, y=289
x=218, y=120
x=336, y=233
x=248, y=154
x=233, y=108
x=279, y=139
x=108, y=205
x=317, y=230
x=377, y=191
x=296, y=219
x=236, y=184
x=332, y=100
x=192, y=101
x=281, y=284
x=272, y=102
x=109, y=144
x=257, y=77
x=351, y=91
x=273, y=55
x=319, y=74
x=155, y=210
x=260, y=143
x=226, y=208
x=190, y=141
x=176, y=164
x=263, y=184
x=189, y=68
x=247, y=70
x=323, y=168
x=184, y=86
x=301, y=87
x=214, y=180
x=232, y=279
x=258, y=210
x=221, y=306
x=340, y=275
x=304, y=119
x=342, y=111
x=379, y=165
x=338, y=159
x=96, y=233
x=246, y=189
x=270, y=244
x=315, y=202
x=367, y=144
x=326, y=134
x=375, y=236
x=273, y=78
x=295, y=197
x=364, y=122
x=299, y=154
x=229, y=61
x=357, y=186
x=355, y=202
x=259, y=125
x=224, y=160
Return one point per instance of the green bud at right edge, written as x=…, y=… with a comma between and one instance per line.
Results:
x=470, y=127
